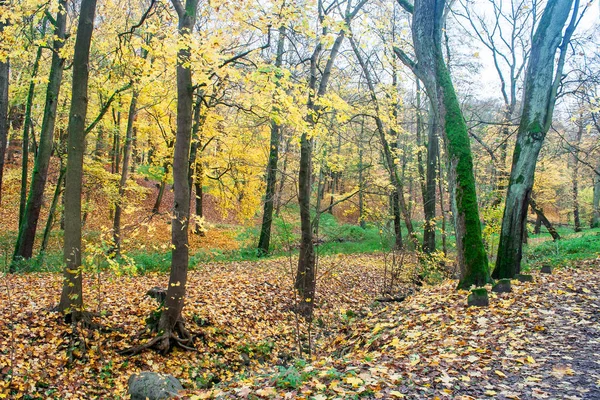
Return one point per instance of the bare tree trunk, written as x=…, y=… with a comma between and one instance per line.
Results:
x=124, y=175
x=71, y=300
x=265, y=231
x=26, y=238
x=541, y=85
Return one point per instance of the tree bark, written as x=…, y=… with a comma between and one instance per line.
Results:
x=124, y=175
x=267, y=221
x=26, y=237
x=541, y=85
x=71, y=300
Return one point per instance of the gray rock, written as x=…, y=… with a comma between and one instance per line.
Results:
x=546, y=269
x=524, y=278
x=503, y=286
x=153, y=386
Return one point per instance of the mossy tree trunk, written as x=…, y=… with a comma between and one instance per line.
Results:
x=430, y=68
x=71, y=300
x=541, y=85
x=26, y=237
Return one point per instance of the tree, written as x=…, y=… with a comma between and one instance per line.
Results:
x=541, y=86
x=26, y=237
x=508, y=38
x=318, y=82
x=171, y=329
x=4, y=121
x=124, y=174
x=265, y=230
x=71, y=300
x=430, y=68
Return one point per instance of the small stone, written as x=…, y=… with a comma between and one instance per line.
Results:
x=502, y=286
x=153, y=386
x=524, y=278
x=478, y=298
x=546, y=269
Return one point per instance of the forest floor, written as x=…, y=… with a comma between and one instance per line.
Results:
x=540, y=341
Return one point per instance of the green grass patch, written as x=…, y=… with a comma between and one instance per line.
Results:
x=572, y=247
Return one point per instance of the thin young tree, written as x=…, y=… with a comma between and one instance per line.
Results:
x=542, y=80
x=318, y=83
x=265, y=230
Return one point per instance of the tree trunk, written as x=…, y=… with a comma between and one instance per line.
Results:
x=394, y=199
x=540, y=215
x=541, y=85
x=161, y=189
x=52, y=211
x=595, y=221
x=575, y=175
x=429, y=193
x=170, y=325
x=71, y=300
x=124, y=175
x=283, y=175
x=427, y=26
x=265, y=231
x=26, y=128
x=4, y=120
x=26, y=237
x=305, y=276
x=538, y=224
x=389, y=157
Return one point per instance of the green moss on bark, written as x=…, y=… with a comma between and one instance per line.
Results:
x=476, y=270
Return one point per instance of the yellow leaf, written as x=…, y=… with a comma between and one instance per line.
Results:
x=500, y=374
x=397, y=394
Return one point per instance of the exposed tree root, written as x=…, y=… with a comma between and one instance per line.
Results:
x=178, y=336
